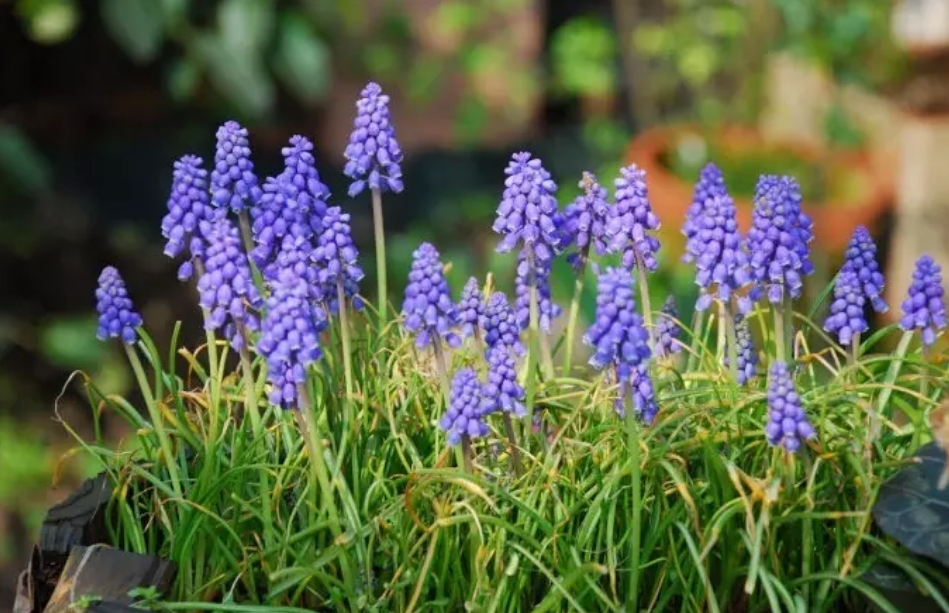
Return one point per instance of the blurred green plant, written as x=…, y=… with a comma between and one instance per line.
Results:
x=583, y=53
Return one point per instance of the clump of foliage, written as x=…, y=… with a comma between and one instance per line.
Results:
x=322, y=452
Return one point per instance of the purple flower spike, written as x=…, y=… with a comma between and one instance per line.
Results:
x=846, y=318
x=464, y=417
x=747, y=356
x=861, y=259
x=778, y=240
x=289, y=338
x=428, y=309
x=787, y=425
x=336, y=259
x=711, y=183
x=632, y=219
x=471, y=307
x=233, y=182
x=668, y=328
x=226, y=288
x=924, y=308
x=585, y=222
x=644, y=397
x=500, y=324
x=189, y=211
x=502, y=391
x=528, y=210
x=117, y=315
x=373, y=156
x=546, y=309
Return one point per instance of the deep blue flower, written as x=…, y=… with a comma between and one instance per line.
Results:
x=547, y=310
x=289, y=338
x=464, y=416
x=861, y=259
x=373, y=155
x=778, y=240
x=640, y=386
x=585, y=222
x=117, y=315
x=787, y=425
x=227, y=291
x=667, y=342
x=528, y=213
x=924, y=308
x=471, y=307
x=336, y=259
x=747, y=356
x=632, y=220
x=500, y=324
x=846, y=318
x=428, y=308
x=502, y=391
x=189, y=211
x=233, y=182
x=711, y=184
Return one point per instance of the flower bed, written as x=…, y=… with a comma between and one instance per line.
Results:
x=321, y=452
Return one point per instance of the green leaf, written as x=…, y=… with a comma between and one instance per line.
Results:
x=913, y=511
x=302, y=59
x=71, y=343
x=245, y=83
x=245, y=25
x=20, y=161
x=51, y=21
x=136, y=25
x=183, y=78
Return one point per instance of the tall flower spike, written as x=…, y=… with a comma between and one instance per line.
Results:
x=632, y=219
x=924, y=308
x=778, y=240
x=464, y=416
x=716, y=246
x=233, y=182
x=500, y=324
x=846, y=318
x=586, y=220
x=668, y=328
x=528, y=212
x=471, y=307
x=428, y=308
x=861, y=259
x=189, y=211
x=502, y=391
x=289, y=339
x=117, y=315
x=227, y=291
x=747, y=356
x=787, y=425
x=711, y=183
x=336, y=259
x=547, y=310
x=373, y=156
x=619, y=339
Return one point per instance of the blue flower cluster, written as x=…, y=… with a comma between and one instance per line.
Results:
x=471, y=307
x=373, y=155
x=528, y=212
x=502, y=392
x=711, y=184
x=500, y=324
x=860, y=258
x=428, y=309
x=189, y=212
x=846, y=318
x=337, y=260
x=747, y=356
x=788, y=425
x=547, y=310
x=585, y=222
x=234, y=185
x=464, y=416
x=924, y=308
x=632, y=219
x=117, y=315
x=667, y=326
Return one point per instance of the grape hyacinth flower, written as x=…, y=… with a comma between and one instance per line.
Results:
x=632, y=219
x=464, y=418
x=117, y=315
x=619, y=339
x=667, y=342
x=643, y=395
x=924, y=308
x=502, y=391
x=846, y=318
x=189, y=212
x=499, y=324
x=428, y=308
x=778, y=240
x=373, y=155
x=860, y=257
x=711, y=183
x=787, y=425
x=471, y=308
x=746, y=355
x=585, y=222
x=547, y=310
x=289, y=339
x=336, y=259
x=527, y=213
x=227, y=291
x=234, y=185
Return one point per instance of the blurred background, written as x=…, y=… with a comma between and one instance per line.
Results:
x=98, y=97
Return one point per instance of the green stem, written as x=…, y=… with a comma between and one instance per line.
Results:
x=893, y=371
x=347, y=349
x=244, y=222
x=157, y=421
x=441, y=365
x=530, y=383
x=512, y=444
x=647, y=308
x=854, y=354
x=547, y=356
x=380, y=255
x=572, y=320
x=466, y=453
x=779, y=346
x=632, y=433
x=731, y=342
x=250, y=406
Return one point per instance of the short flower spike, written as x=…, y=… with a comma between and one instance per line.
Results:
x=234, y=185
x=747, y=355
x=337, y=260
x=502, y=391
x=667, y=343
x=428, y=308
x=464, y=416
x=924, y=308
x=711, y=184
x=373, y=155
x=471, y=307
x=547, y=309
x=586, y=220
x=860, y=258
x=189, y=211
x=527, y=214
x=632, y=220
x=846, y=318
x=788, y=425
x=117, y=315
x=500, y=324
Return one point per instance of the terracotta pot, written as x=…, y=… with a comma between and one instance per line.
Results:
x=834, y=220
